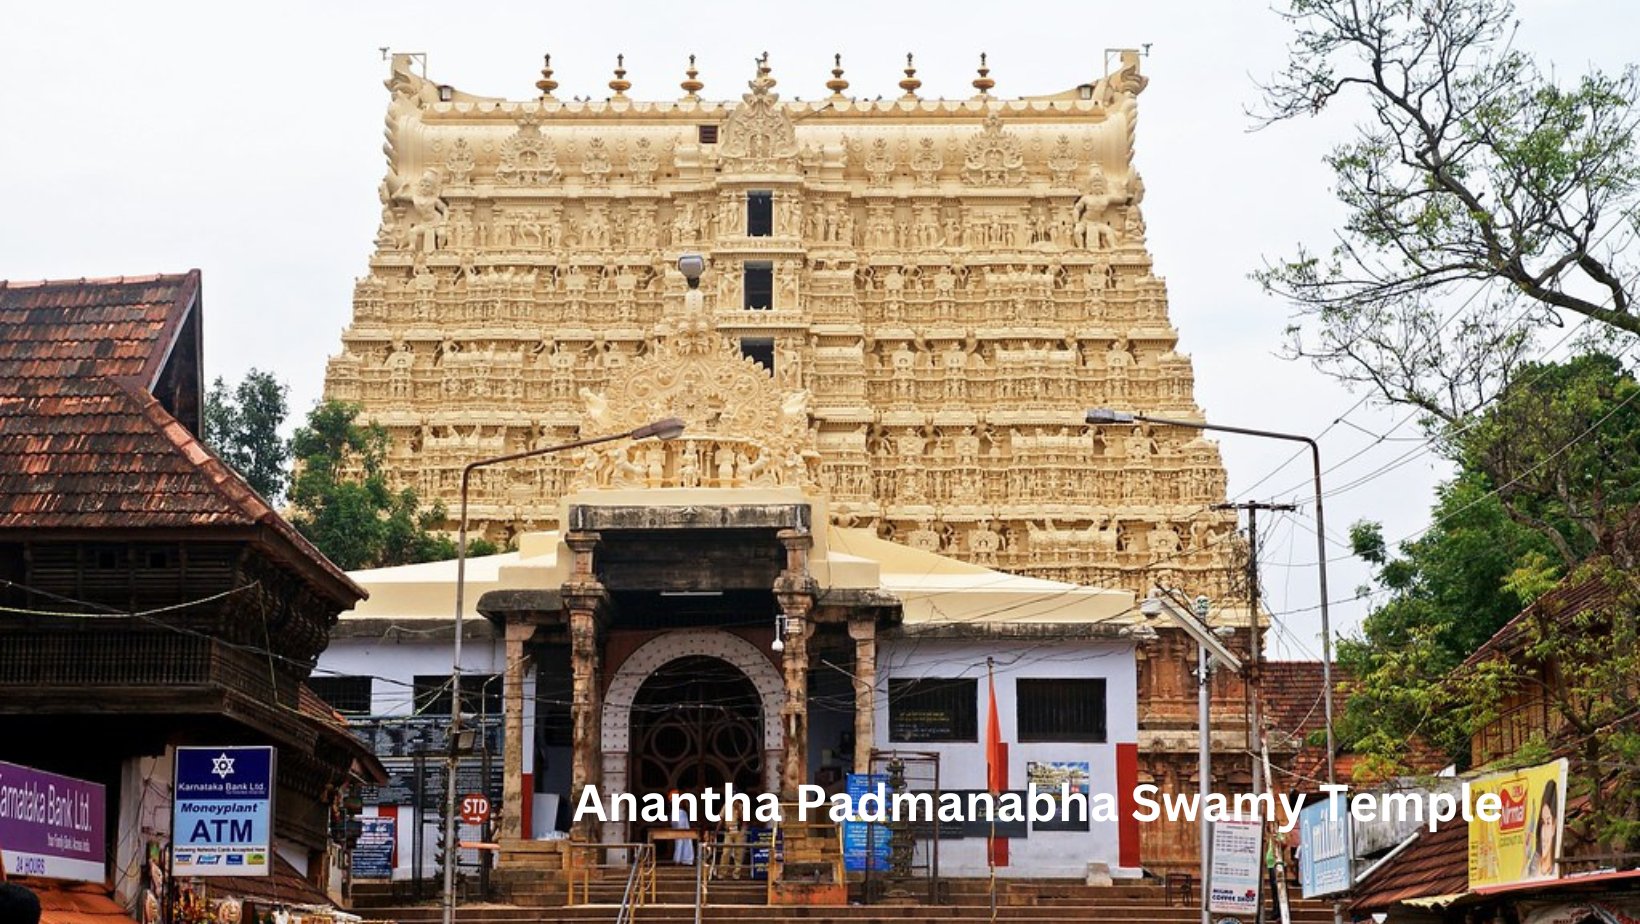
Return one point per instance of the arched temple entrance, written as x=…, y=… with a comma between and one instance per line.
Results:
x=696, y=725
x=632, y=728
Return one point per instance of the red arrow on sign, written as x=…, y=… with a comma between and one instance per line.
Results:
x=475, y=809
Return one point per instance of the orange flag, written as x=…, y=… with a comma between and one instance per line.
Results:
x=996, y=768
x=996, y=760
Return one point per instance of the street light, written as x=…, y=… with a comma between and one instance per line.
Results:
x=1100, y=415
x=669, y=428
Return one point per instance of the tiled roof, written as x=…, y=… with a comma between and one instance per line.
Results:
x=89, y=452
x=83, y=442
x=282, y=886
x=1563, y=602
x=75, y=903
x=65, y=329
x=1290, y=694
x=1435, y=864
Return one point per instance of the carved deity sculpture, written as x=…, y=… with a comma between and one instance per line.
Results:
x=429, y=213
x=1092, y=231
x=994, y=157
x=758, y=136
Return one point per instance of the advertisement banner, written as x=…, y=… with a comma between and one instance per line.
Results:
x=50, y=825
x=373, y=855
x=1524, y=844
x=1325, y=848
x=222, y=814
x=1237, y=862
x=1053, y=776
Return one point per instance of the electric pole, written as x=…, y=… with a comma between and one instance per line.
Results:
x=1255, y=660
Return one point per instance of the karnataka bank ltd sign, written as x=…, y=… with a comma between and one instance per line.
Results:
x=51, y=826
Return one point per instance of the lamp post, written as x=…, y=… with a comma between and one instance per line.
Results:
x=665, y=429
x=1101, y=415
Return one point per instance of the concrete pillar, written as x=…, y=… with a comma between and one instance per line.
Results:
x=794, y=589
x=864, y=633
x=512, y=761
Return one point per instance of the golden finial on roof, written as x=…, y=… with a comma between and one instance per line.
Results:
x=984, y=83
x=620, y=84
x=910, y=83
x=692, y=86
x=546, y=84
x=837, y=84
x=762, y=83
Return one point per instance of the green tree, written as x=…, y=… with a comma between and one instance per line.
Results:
x=242, y=428
x=1473, y=169
x=1562, y=447
x=1447, y=596
x=342, y=502
x=1549, y=476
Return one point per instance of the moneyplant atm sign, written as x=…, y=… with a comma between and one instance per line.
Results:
x=222, y=814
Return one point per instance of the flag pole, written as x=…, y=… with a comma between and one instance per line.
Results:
x=992, y=735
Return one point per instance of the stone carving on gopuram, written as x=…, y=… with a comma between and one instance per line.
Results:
x=941, y=287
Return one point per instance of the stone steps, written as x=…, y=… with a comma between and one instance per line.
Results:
x=1018, y=902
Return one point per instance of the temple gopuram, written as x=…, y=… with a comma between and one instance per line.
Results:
x=908, y=304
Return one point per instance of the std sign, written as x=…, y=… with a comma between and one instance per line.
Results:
x=222, y=813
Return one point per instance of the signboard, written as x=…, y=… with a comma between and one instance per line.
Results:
x=762, y=844
x=1325, y=848
x=1053, y=776
x=402, y=781
x=1524, y=844
x=475, y=809
x=373, y=855
x=51, y=826
x=1237, y=860
x=222, y=814
x=865, y=844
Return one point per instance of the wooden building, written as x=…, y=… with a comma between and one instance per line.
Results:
x=152, y=599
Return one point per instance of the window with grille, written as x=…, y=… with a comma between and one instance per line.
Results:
x=1068, y=709
x=480, y=694
x=707, y=134
x=759, y=213
x=347, y=695
x=933, y=709
x=759, y=286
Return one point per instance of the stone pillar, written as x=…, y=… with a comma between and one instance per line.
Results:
x=795, y=591
x=584, y=597
x=864, y=633
x=512, y=761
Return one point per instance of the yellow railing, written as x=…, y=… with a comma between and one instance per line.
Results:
x=632, y=863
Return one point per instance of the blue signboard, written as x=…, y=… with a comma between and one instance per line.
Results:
x=373, y=854
x=222, y=812
x=1324, y=848
x=761, y=841
x=866, y=842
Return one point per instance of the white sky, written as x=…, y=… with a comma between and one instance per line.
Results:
x=158, y=137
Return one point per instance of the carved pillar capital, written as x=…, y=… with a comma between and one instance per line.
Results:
x=581, y=545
